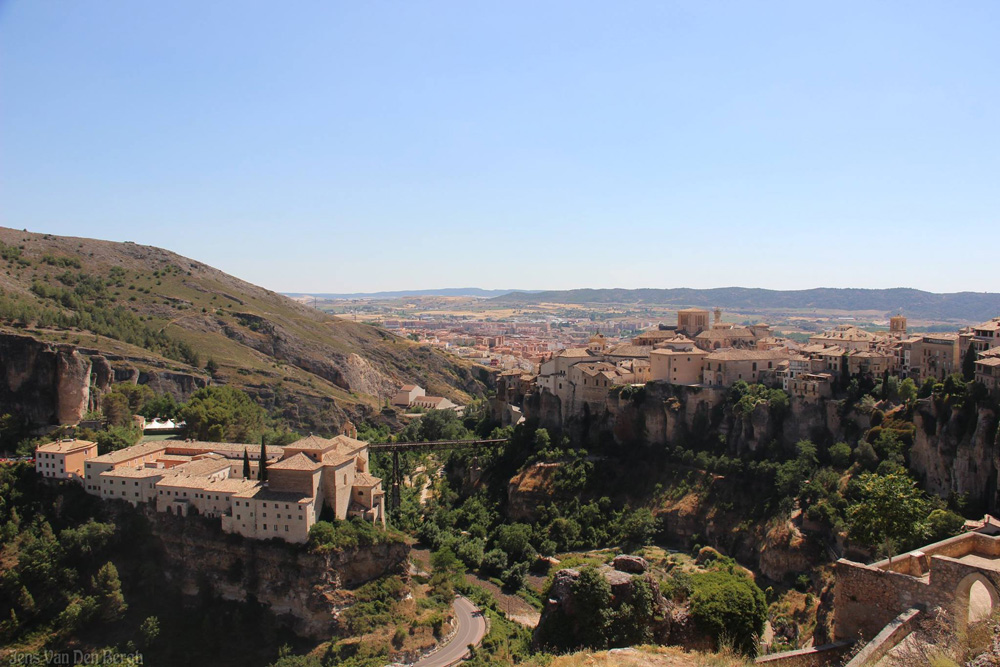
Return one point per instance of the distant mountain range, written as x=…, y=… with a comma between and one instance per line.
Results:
x=960, y=306
x=447, y=291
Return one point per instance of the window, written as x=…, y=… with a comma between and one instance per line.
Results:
x=264, y=527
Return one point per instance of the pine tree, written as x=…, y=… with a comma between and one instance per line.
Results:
x=263, y=462
x=108, y=587
x=969, y=364
x=246, y=464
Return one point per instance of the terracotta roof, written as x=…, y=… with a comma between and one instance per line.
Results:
x=311, y=443
x=365, y=480
x=64, y=446
x=575, y=352
x=992, y=325
x=138, y=473
x=296, y=462
x=130, y=453
x=629, y=350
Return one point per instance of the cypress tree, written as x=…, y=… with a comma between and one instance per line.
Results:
x=263, y=462
x=969, y=364
x=246, y=464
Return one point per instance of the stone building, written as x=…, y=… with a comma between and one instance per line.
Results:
x=64, y=459
x=726, y=367
x=306, y=479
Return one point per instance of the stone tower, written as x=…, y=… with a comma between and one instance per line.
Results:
x=897, y=325
x=718, y=315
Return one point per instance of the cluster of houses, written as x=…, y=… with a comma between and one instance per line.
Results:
x=302, y=480
x=698, y=351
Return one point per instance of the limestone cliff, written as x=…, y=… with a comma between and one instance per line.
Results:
x=45, y=383
x=957, y=451
x=307, y=590
x=49, y=383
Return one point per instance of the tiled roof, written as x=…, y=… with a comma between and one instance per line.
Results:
x=365, y=480
x=130, y=453
x=296, y=462
x=575, y=352
x=64, y=446
x=629, y=350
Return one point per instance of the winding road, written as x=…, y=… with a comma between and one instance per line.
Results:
x=471, y=630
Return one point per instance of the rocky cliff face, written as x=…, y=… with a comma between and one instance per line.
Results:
x=957, y=451
x=45, y=383
x=51, y=383
x=306, y=590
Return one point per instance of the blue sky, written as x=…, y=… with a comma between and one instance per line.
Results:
x=358, y=146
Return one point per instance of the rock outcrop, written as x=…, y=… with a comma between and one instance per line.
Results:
x=43, y=382
x=49, y=384
x=561, y=618
x=957, y=451
x=306, y=590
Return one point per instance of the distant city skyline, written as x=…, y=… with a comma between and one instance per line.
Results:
x=351, y=147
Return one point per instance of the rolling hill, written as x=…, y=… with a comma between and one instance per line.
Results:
x=153, y=310
x=958, y=306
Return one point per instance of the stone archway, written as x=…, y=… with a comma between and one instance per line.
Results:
x=976, y=598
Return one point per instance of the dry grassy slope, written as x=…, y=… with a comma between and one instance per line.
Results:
x=262, y=340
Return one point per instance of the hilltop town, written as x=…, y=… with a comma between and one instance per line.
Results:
x=697, y=351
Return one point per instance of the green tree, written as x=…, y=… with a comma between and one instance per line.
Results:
x=149, y=631
x=116, y=409
x=727, y=604
x=969, y=364
x=592, y=602
x=262, y=470
x=239, y=417
x=907, y=390
x=246, y=464
x=889, y=512
x=840, y=455
x=108, y=587
x=114, y=438
x=942, y=524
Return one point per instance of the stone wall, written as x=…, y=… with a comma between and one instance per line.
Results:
x=827, y=655
x=868, y=597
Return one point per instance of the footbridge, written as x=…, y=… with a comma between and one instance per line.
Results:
x=434, y=445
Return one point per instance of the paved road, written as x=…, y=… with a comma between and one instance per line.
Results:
x=471, y=629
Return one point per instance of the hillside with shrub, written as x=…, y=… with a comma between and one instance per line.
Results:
x=155, y=309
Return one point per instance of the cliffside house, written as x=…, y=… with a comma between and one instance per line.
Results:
x=407, y=394
x=64, y=459
x=414, y=396
x=311, y=476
